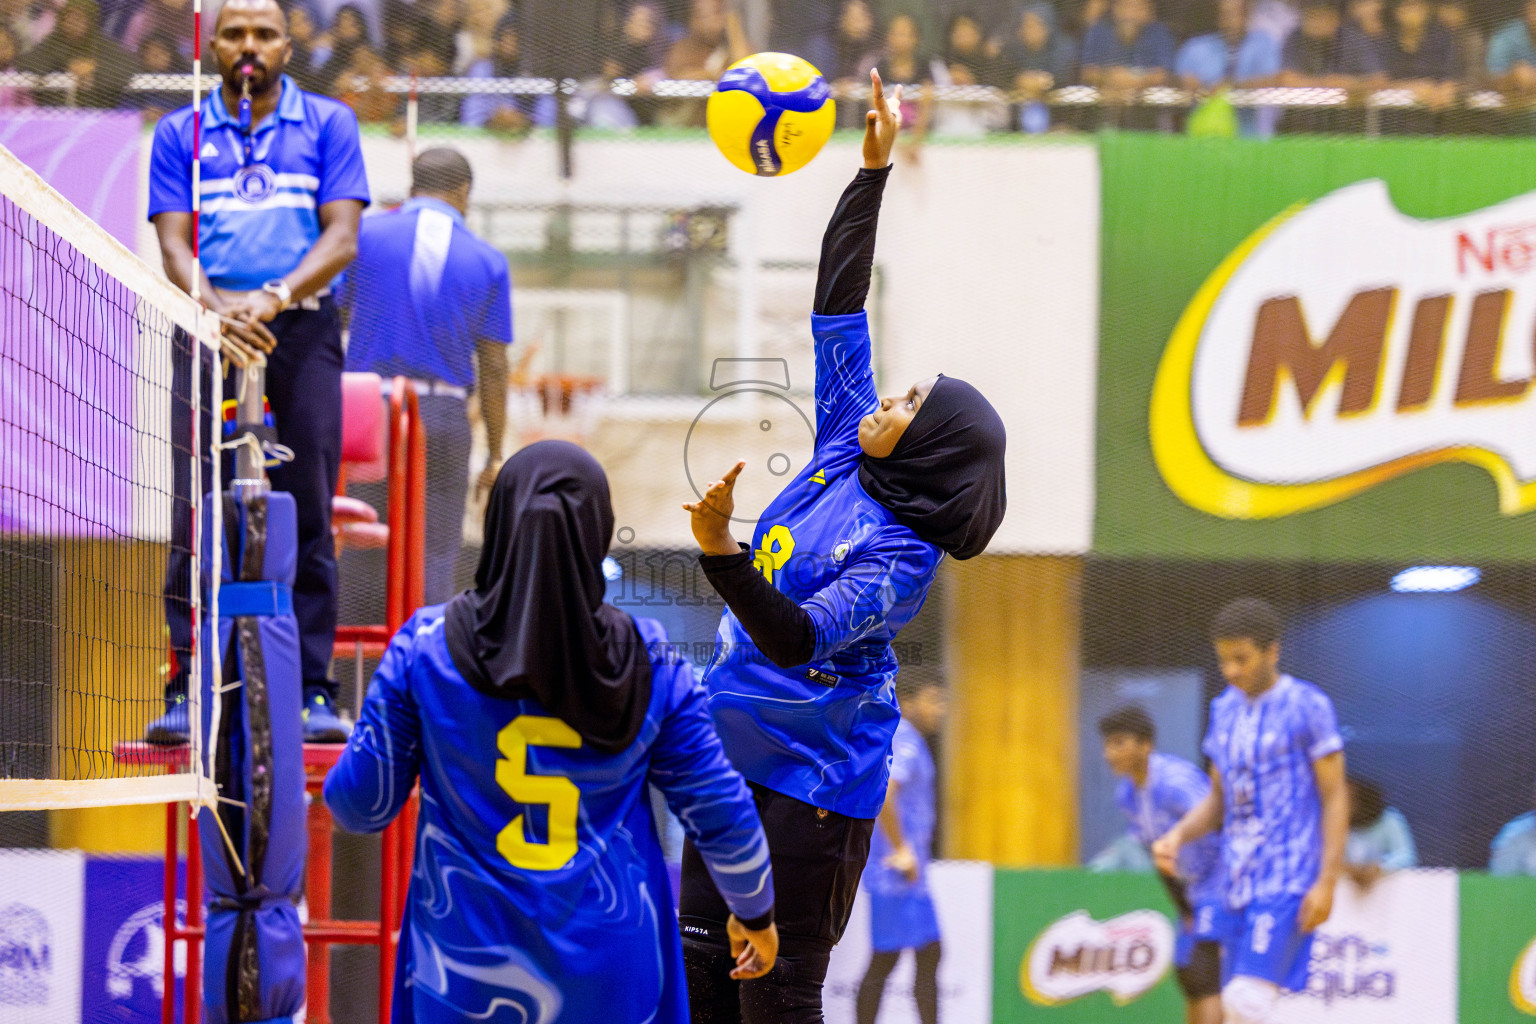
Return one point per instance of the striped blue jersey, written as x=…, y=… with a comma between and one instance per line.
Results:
x=260, y=210
x=913, y=775
x=1272, y=837
x=1173, y=786
x=821, y=732
x=539, y=894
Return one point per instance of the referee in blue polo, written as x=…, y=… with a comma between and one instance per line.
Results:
x=283, y=189
x=428, y=300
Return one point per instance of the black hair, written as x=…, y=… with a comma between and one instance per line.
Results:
x=440, y=169
x=1247, y=618
x=1129, y=719
x=1367, y=803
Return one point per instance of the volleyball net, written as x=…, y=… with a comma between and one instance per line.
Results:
x=101, y=426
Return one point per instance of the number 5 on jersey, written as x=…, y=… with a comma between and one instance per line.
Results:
x=559, y=794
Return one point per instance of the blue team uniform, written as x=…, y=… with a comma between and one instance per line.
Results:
x=821, y=732
x=539, y=894
x=901, y=912
x=1272, y=837
x=1173, y=786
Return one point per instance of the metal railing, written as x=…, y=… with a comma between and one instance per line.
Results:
x=1071, y=96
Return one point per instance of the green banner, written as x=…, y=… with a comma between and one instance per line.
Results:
x=1498, y=949
x=1073, y=946
x=1317, y=348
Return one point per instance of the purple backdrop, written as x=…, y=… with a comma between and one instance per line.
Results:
x=92, y=158
x=70, y=384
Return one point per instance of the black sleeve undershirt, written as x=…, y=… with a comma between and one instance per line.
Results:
x=779, y=627
x=848, y=248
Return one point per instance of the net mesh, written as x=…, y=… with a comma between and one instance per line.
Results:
x=1050, y=221
x=96, y=500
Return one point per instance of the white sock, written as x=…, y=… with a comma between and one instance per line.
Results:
x=1249, y=1000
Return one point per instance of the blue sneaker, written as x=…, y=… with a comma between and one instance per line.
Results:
x=320, y=722
x=170, y=729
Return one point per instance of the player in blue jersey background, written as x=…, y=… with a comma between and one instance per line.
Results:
x=1156, y=790
x=801, y=686
x=534, y=714
x=1278, y=797
x=901, y=911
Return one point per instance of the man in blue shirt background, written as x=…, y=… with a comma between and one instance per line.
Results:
x=1128, y=50
x=282, y=190
x=1512, y=52
x=430, y=301
x=1156, y=790
x=1278, y=797
x=1232, y=55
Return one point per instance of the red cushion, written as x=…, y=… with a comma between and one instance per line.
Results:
x=363, y=447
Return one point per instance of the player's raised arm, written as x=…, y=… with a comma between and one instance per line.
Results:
x=848, y=247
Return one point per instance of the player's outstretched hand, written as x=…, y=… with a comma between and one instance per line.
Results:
x=1165, y=854
x=755, y=952
x=881, y=124
x=711, y=518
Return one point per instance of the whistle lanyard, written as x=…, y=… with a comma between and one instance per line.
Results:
x=247, y=144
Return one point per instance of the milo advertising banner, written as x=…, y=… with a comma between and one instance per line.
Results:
x=1071, y=946
x=1317, y=347
x=1498, y=950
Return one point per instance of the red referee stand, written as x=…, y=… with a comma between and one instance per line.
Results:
x=404, y=538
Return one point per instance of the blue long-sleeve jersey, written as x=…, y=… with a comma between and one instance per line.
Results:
x=821, y=732
x=539, y=894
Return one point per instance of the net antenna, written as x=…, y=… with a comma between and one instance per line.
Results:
x=205, y=765
x=88, y=485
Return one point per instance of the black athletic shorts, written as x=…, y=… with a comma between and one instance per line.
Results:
x=817, y=857
x=1201, y=977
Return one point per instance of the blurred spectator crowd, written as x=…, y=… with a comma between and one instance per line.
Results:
x=1017, y=58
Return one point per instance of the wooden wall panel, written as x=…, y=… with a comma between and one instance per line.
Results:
x=1012, y=653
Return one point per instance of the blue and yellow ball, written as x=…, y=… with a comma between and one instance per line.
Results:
x=771, y=113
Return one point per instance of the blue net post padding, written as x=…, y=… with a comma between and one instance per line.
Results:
x=254, y=957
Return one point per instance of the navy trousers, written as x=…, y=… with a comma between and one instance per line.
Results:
x=304, y=390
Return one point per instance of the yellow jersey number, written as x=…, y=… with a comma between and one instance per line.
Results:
x=558, y=793
x=778, y=545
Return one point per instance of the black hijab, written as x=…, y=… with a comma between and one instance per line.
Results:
x=535, y=623
x=944, y=478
